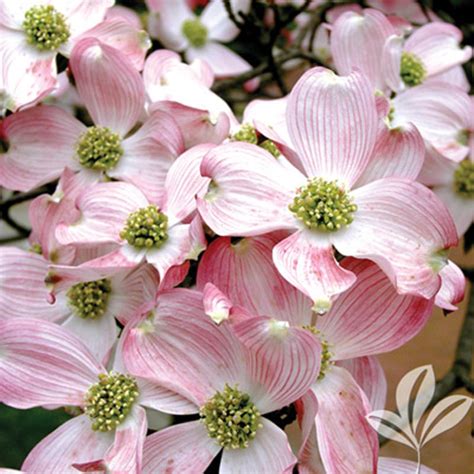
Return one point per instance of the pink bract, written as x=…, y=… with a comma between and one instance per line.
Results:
x=105, y=208
x=28, y=74
x=276, y=371
x=169, y=27
x=44, y=140
x=368, y=319
x=184, y=91
x=45, y=365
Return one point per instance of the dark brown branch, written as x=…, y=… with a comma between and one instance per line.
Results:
x=279, y=60
x=5, y=207
x=10, y=240
x=22, y=197
x=273, y=62
x=23, y=231
x=230, y=12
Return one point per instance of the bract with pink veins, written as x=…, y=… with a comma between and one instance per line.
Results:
x=207, y=364
x=42, y=141
x=28, y=67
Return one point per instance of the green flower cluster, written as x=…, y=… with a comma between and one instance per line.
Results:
x=323, y=205
x=110, y=400
x=99, y=148
x=412, y=70
x=89, y=299
x=45, y=28
x=146, y=228
x=231, y=418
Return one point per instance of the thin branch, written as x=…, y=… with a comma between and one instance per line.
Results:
x=273, y=67
x=5, y=207
x=230, y=12
x=274, y=62
x=312, y=25
x=10, y=240
x=23, y=231
x=21, y=197
x=280, y=59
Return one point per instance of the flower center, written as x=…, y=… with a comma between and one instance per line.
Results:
x=110, y=400
x=45, y=28
x=326, y=355
x=99, y=148
x=195, y=32
x=89, y=300
x=412, y=70
x=463, y=137
x=248, y=134
x=147, y=227
x=464, y=179
x=36, y=248
x=231, y=418
x=323, y=205
x=270, y=147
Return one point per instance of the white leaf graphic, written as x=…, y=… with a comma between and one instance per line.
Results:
x=449, y=420
x=381, y=420
x=422, y=398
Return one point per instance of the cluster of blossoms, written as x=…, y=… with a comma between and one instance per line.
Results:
x=242, y=273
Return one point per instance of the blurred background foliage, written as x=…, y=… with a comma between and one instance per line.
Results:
x=21, y=430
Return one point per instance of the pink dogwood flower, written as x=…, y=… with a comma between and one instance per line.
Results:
x=368, y=41
x=200, y=37
x=453, y=183
x=44, y=140
x=425, y=67
x=32, y=33
x=368, y=319
x=138, y=229
x=42, y=284
x=184, y=92
x=393, y=221
x=430, y=51
x=43, y=364
x=84, y=301
x=442, y=113
x=177, y=343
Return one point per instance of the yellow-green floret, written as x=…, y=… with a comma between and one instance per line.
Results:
x=88, y=300
x=110, y=400
x=231, y=418
x=323, y=205
x=412, y=70
x=46, y=29
x=146, y=228
x=99, y=148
